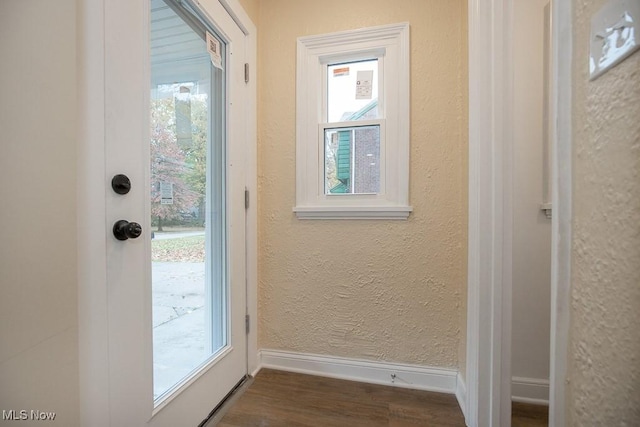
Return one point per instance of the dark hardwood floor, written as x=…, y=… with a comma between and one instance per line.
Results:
x=526, y=415
x=277, y=398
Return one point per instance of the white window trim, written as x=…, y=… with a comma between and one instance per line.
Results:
x=314, y=52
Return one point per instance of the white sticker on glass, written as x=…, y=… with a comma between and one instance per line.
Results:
x=339, y=72
x=213, y=47
x=166, y=193
x=364, y=84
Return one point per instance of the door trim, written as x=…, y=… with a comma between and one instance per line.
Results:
x=93, y=318
x=247, y=26
x=488, y=370
x=239, y=15
x=562, y=54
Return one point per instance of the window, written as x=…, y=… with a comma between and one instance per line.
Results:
x=352, y=150
x=352, y=147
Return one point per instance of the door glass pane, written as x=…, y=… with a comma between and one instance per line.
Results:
x=187, y=198
x=352, y=160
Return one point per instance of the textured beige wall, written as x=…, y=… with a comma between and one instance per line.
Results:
x=604, y=366
x=38, y=285
x=464, y=135
x=252, y=7
x=379, y=290
x=531, y=238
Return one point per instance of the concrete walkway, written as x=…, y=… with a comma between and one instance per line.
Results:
x=163, y=235
x=179, y=342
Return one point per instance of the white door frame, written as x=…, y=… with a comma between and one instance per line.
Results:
x=489, y=251
x=562, y=60
x=488, y=370
x=93, y=317
x=241, y=18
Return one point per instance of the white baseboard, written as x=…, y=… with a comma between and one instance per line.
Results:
x=530, y=390
x=391, y=374
x=259, y=366
x=461, y=396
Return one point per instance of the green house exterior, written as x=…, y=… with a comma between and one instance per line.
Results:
x=343, y=160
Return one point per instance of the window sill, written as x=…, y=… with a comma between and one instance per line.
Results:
x=356, y=212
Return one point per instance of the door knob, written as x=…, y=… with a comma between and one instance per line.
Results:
x=123, y=230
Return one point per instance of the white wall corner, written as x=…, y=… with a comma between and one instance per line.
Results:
x=461, y=396
x=416, y=377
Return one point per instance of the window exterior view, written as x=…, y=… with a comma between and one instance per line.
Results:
x=352, y=154
x=353, y=160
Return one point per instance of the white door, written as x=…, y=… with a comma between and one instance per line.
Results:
x=176, y=294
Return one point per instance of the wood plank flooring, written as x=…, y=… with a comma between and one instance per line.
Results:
x=278, y=398
x=526, y=415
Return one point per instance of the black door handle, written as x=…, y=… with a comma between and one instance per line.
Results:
x=121, y=184
x=123, y=230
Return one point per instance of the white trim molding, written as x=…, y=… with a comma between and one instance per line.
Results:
x=373, y=212
x=239, y=15
x=390, y=45
x=561, y=131
x=391, y=374
x=530, y=390
x=489, y=281
x=488, y=376
x=461, y=396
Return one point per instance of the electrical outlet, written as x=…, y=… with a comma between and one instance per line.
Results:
x=614, y=35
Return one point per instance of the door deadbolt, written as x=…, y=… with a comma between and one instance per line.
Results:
x=121, y=184
x=123, y=230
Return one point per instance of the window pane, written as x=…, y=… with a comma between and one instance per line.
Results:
x=352, y=91
x=352, y=160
